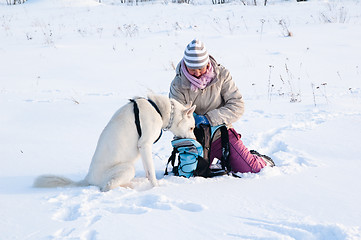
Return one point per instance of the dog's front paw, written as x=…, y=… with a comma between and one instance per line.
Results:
x=107, y=187
x=154, y=183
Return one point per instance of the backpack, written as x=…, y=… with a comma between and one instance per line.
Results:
x=193, y=155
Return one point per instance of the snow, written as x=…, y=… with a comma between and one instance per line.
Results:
x=67, y=65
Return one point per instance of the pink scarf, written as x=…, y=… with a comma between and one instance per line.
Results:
x=202, y=81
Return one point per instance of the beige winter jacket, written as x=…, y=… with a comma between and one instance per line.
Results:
x=221, y=102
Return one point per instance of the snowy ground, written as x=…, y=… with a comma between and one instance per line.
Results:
x=67, y=65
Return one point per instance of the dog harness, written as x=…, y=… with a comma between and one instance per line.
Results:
x=137, y=120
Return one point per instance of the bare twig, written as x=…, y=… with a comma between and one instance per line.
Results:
x=74, y=101
x=269, y=83
x=262, y=21
x=172, y=64
x=285, y=30
x=325, y=93
x=313, y=93
x=339, y=75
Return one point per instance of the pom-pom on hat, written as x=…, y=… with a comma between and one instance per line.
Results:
x=196, y=55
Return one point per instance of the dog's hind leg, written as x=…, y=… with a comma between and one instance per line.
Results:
x=119, y=175
x=148, y=165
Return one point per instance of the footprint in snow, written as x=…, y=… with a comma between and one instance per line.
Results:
x=93, y=220
x=190, y=207
x=69, y=213
x=62, y=233
x=89, y=235
x=146, y=203
x=304, y=230
x=163, y=203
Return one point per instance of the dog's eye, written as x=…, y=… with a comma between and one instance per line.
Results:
x=192, y=128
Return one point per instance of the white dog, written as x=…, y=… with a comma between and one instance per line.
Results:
x=121, y=143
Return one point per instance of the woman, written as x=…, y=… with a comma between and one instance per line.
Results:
x=201, y=81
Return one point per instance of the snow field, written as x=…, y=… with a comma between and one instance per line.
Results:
x=67, y=66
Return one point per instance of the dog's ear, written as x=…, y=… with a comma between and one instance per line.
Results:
x=188, y=105
x=189, y=111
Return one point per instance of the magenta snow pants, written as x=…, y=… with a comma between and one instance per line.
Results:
x=240, y=158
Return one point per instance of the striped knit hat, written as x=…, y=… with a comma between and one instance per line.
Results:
x=196, y=55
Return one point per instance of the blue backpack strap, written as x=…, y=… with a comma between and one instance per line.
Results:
x=215, y=128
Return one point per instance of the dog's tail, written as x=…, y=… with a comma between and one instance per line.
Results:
x=52, y=181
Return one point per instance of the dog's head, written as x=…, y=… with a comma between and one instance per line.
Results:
x=183, y=124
